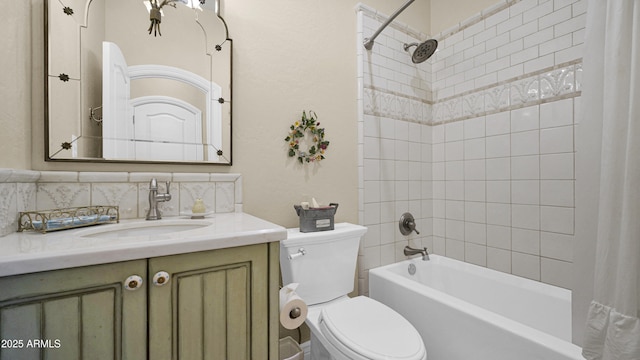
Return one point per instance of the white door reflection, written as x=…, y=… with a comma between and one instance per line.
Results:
x=157, y=127
x=167, y=129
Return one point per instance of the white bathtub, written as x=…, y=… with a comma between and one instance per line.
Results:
x=467, y=312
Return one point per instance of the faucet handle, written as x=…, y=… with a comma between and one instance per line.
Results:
x=168, y=187
x=407, y=224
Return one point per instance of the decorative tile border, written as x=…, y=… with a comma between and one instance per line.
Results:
x=550, y=84
x=379, y=102
x=22, y=190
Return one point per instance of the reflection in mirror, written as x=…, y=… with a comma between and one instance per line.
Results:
x=117, y=93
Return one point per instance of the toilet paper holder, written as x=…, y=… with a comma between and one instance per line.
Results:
x=295, y=313
x=293, y=310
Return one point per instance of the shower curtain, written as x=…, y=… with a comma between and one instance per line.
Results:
x=611, y=103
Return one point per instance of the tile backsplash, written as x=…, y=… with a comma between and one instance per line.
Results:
x=25, y=190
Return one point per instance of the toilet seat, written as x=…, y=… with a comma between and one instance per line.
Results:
x=362, y=328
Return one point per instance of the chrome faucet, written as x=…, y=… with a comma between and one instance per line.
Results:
x=155, y=198
x=408, y=251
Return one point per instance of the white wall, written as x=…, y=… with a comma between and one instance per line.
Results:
x=395, y=142
x=504, y=87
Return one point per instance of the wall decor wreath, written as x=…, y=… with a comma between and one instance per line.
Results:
x=307, y=126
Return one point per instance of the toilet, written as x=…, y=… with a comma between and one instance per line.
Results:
x=323, y=264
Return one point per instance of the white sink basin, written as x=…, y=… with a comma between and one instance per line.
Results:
x=143, y=228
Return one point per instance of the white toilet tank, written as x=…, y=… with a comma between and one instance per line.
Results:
x=326, y=270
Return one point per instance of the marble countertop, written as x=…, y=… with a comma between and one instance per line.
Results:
x=27, y=252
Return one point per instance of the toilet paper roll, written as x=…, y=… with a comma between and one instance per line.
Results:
x=293, y=310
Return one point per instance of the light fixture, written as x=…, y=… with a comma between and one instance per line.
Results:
x=155, y=11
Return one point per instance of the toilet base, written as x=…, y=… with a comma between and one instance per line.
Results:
x=318, y=351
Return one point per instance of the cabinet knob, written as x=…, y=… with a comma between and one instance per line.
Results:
x=161, y=278
x=133, y=282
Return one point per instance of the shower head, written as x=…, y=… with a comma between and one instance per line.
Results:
x=423, y=50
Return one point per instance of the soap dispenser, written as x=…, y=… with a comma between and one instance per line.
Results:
x=198, y=206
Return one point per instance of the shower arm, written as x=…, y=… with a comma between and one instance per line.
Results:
x=368, y=42
x=216, y=7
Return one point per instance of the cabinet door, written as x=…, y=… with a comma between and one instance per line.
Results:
x=78, y=313
x=215, y=305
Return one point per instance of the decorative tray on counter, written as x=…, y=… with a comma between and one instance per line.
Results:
x=69, y=218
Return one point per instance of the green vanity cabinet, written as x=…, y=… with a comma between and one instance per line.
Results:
x=76, y=313
x=216, y=304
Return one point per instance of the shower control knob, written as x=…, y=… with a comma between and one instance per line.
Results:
x=407, y=224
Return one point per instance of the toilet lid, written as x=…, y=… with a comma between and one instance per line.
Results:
x=370, y=329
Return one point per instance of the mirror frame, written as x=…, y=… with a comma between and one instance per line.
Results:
x=47, y=155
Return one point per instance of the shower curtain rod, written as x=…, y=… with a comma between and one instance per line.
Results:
x=368, y=42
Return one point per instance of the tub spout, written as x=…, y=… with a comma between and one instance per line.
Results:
x=408, y=251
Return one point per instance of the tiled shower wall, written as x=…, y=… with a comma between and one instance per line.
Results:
x=394, y=143
x=502, y=91
x=34, y=190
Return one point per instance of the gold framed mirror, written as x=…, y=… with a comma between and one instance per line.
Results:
x=118, y=89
